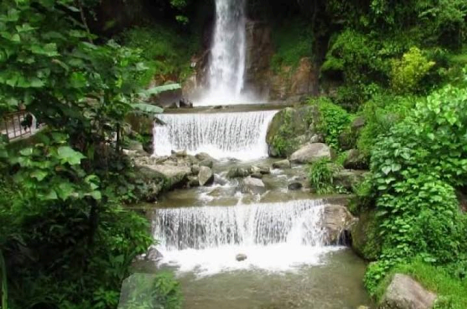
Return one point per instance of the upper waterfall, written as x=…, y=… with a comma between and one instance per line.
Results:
x=222, y=135
x=228, y=52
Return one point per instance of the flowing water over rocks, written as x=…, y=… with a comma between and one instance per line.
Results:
x=222, y=135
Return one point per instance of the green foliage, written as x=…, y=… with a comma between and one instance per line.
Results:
x=415, y=170
x=408, y=72
x=167, y=53
x=450, y=291
x=292, y=41
x=333, y=120
x=321, y=176
x=282, y=141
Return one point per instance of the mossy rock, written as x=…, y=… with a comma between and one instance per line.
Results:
x=289, y=129
x=365, y=239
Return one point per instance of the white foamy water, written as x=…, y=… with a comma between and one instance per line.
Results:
x=221, y=135
x=274, y=237
x=227, y=59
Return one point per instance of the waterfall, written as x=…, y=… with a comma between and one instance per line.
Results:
x=227, y=58
x=222, y=135
x=272, y=236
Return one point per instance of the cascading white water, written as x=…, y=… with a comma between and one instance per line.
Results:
x=276, y=236
x=222, y=135
x=227, y=59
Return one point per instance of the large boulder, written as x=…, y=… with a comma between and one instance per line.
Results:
x=253, y=186
x=205, y=176
x=405, y=293
x=356, y=160
x=176, y=176
x=282, y=164
x=337, y=220
x=238, y=172
x=311, y=153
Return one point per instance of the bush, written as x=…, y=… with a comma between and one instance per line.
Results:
x=321, y=176
x=333, y=120
x=408, y=72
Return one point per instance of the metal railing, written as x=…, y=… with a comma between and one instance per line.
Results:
x=17, y=125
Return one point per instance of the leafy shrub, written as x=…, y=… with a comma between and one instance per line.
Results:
x=321, y=176
x=415, y=170
x=333, y=120
x=408, y=72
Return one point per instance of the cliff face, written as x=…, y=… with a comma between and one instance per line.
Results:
x=289, y=84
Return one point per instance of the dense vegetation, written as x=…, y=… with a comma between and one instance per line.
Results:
x=66, y=239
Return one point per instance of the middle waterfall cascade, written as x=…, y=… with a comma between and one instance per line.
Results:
x=274, y=236
x=222, y=135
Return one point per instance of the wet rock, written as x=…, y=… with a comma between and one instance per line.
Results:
x=220, y=192
x=349, y=179
x=257, y=175
x=180, y=153
x=405, y=293
x=355, y=160
x=365, y=238
x=295, y=186
x=219, y=180
x=153, y=254
x=204, y=156
x=241, y=257
x=175, y=175
x=264, y=169
x=195, y=169
x=185, y=103
x=253, y=186
x=317, y=138
x=238, y=172
x=205, y=176
x=282, y=164
x=207, y=163
x=311, y=153
x=193, y=181
x=336, y=220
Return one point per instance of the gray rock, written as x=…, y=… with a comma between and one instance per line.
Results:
x=238, y=172
x=405, y=293
x=135, y=145
x=336, y=220
x=282, y=164
x=349, y=179
x=355, y=160
x=311, y=153
x=175, y=175
x=264, y=169
x=193, y=181
x=153, y=254
x=204, y=156
x=241, y=257
x=180, y=153
x=316, y=138
x=253, y=186
x=257, y=175
x=295, y=186
x=205, y=176
x=195, y=169
x=206, y=162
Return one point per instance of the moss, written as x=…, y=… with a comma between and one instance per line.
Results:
x=365, y=240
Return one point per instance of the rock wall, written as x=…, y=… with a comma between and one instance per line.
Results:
x=289, y=85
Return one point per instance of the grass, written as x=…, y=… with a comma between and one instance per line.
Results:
x=452, y=292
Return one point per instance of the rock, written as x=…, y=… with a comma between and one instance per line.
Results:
x=257, y=175
x=347, y=140
x=358, y=124
x=349, y=179
x=135, y=145
x=365, y=239
x=238, y=172
x=336, y=220
x=311, y=153
x=219, y=180
x=193, y=181
x=281, y=164
x=204, y=156
x=195, y=169
x=295, y=186
x=153, y=254
x=207, y=163
x=253, y=186
x=317, y=138
x=185, y=103
x=175, y=175
x=363, y=307
x=180, y=153
x=264, y=169
x=355, y=160
x=241, y=257
x=405, y=293
x=205, y=176
x=154, y=182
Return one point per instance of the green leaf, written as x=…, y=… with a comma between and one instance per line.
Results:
x=159, y=89
x=65, y=190
x=39, y=175
x=68, y=155
x=147, y=108
x=96, y=195
x=26, y=151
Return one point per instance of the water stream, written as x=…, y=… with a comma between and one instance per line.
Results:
x=222, y=135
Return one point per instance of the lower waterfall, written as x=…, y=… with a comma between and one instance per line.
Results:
x=222, y=135
x=274, y=236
